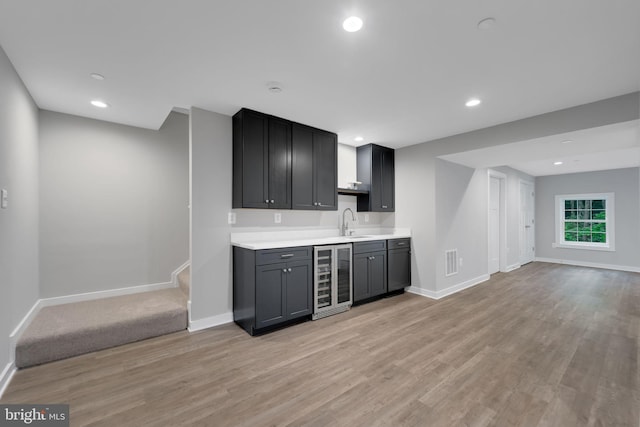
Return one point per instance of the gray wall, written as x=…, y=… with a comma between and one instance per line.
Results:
x=461, y=221
x=211, y=180
x=18, y=223
x=113, y=203
x=624, y=183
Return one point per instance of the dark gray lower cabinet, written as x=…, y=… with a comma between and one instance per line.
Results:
x=369, y=269
x=399, y=264
x=271, y=286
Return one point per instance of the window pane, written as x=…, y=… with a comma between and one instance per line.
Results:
x=570, y=204
x=571, y=237
x=599, y=227
x=584, y=214
x=584, y=237
x=598, y=204
x=599, y=237
x=584, y=204
x=570, y=215
x=570, y=226
x=599, y=215
x=584, y=227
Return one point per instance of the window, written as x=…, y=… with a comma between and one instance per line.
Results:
x=585, y=221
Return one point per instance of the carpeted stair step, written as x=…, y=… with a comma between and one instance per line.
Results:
x=68, y=330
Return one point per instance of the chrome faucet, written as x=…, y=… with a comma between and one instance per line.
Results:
x=345, y=225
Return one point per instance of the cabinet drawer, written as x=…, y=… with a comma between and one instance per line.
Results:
x=399, y=243
x=363, y=247
x=269, y=256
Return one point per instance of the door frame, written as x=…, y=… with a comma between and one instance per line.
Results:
x=532, y=184
x=502, y=227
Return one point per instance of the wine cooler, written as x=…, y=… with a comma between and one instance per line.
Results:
x=332, y=288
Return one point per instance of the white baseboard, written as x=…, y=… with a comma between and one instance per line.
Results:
x=422, y=292
x=174, y=274
x=46, y=302
x=5, y=377
x=450, y=290
x=589, y=264
x=209, y=322
x=511, y=268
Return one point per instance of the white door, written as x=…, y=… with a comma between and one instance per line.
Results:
x=494, y=225
x=527, y=222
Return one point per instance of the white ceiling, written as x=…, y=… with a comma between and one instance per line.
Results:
x=606, y=147
x=403, y=79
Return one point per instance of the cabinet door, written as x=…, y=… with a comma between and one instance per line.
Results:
x=270, y=294
x=325, y=156
x=255, y=167
x=377, y=273
x=387, y=194
x=302, y=194
x=399, y=268
x=361, y=289
x=299, y=289
x=279, y=164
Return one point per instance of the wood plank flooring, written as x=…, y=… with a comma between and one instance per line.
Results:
x=545, y=345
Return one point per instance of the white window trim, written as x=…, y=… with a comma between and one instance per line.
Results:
x=560, y=243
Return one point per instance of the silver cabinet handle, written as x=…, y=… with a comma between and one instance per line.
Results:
x=289, y=270
x=286, y=256
x=266, y=201
x=384, y=207
x=284, y=270
x=401, y=244
x=272, y=201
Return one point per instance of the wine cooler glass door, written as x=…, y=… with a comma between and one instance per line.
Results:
x=344, y=275
x=324, y=271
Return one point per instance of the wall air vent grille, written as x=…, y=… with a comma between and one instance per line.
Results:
x=451, y=262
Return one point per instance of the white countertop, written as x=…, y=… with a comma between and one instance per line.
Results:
x=285, y=239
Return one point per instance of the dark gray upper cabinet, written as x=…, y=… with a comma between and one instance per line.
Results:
x=376, y=171
x=314, y=169
x=261, y=161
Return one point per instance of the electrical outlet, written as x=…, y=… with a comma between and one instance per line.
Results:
x=277, y=217
x=460, y=262
x=366, y=217
x=4, y=199
x=232, y=218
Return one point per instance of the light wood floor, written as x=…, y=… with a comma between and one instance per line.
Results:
x=544, y=345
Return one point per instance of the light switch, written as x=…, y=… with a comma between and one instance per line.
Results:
x=232, y=218
x=366, y=217
x=277, y=217
x=4, y=199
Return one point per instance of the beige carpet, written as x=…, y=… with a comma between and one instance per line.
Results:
x=68, y=330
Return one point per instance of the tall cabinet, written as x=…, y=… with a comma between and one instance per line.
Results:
x=376, y=171
x=261, y=161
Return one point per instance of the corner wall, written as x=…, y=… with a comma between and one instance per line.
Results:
x=113, y=203
x=19, y=222
x=625, y=184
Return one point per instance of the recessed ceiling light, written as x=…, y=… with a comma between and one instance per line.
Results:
x=358, y=139
x=473, y=102
x=487, y=23
x=352, y=24
x=557, y=163
x=97, y=76
x=99, y=104
x=274, y=87
x=566, y=141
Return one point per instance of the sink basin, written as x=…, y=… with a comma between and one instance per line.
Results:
x=359, y=237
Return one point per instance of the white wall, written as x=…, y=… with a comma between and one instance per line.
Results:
x=113, y=203
x=19, y=222
x=624, y=183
